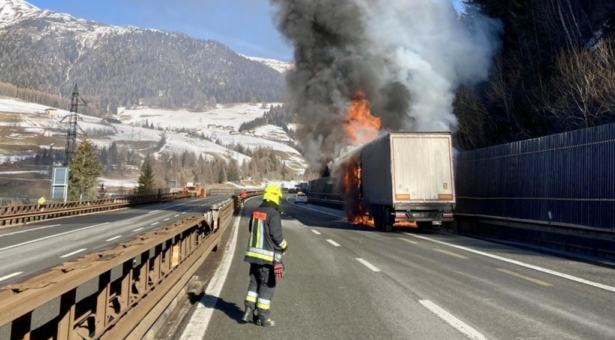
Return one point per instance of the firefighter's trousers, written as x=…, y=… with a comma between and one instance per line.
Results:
x=261, y=289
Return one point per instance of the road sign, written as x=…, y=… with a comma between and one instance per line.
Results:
x=59, y=184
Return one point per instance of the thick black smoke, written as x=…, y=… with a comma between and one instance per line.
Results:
x=408, y=56
x=333, y=62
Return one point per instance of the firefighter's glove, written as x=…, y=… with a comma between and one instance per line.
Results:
x=278, y=269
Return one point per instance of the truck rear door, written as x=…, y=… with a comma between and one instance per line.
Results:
x=422, y=167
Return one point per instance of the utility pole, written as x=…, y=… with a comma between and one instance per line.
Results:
x=73, y=125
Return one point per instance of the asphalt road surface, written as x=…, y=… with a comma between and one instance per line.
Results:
x=348, y=282
x=28, y=250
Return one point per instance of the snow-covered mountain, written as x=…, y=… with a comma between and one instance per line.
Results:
x=15, y=10
x=125, y=66
x=278, y=65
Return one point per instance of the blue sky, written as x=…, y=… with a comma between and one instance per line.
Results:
x=244, y=25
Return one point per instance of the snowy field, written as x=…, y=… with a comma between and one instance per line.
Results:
x=224, y=115
x=39, y=131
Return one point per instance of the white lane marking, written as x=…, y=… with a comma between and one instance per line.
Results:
x=154, y=223
x=335, y=244
x=406, y=240
x=51, y=236
x=523, y=264
x=10, y=276
x=319, y=211
x=176, y=215
x=449, y=318
x=73, y=253
x=369, y=265
x=197, y=327
x=29, y=230
x=113, y=238
x=155, y=211
x=184, y=213
x=316, y=232
x=138, y=229
x=166, y=219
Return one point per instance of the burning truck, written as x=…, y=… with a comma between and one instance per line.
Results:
x=398, y=180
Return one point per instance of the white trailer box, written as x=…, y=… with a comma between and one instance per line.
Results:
x=411, y=174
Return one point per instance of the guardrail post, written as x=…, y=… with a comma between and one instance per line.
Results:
x=102, y=302
x=126, y=286
x=66, y=318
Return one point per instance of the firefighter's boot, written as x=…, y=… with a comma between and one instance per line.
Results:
x=249, y=316
x=265, y=323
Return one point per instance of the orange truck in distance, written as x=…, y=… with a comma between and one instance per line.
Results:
x=196, y=190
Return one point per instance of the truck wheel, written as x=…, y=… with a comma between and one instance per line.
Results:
x=386, y=217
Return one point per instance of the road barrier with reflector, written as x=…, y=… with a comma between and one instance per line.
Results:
x=132, y=284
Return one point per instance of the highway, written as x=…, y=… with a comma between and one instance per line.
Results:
x=28, y=250
x=350, y=282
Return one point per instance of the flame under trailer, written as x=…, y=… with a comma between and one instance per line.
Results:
x=404, y=178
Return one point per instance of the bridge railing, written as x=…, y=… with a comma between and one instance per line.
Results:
x=127, y=287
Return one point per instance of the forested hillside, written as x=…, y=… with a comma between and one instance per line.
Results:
x=555, y=72
x=125, y=66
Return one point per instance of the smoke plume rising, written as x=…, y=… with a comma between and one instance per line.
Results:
x=407, y=56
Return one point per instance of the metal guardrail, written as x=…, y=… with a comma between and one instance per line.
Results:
x=592, y=241
x=21, y=214
x=133, y=284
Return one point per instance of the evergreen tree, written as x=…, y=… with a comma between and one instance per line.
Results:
x=84, y=171
x=146, y=180
x=233, y=171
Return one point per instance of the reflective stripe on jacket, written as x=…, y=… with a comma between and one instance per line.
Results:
x=265, y=235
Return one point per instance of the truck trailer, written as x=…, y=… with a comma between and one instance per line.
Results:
x=405, y=178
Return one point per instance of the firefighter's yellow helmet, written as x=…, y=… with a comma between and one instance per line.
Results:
x=273, y=193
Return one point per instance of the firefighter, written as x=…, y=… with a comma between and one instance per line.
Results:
x=265, y=249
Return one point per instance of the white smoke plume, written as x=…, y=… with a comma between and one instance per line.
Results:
x=409, y=56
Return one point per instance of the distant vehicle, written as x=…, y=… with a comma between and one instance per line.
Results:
x=292, y=190
x=194, y=190
x=305, y=187
x=301, y=198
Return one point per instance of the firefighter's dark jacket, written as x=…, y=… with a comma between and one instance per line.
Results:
x=265, y=235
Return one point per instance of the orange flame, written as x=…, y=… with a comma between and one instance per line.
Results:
x=362, y=127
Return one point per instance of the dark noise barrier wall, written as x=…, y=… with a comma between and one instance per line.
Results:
x=564, y=182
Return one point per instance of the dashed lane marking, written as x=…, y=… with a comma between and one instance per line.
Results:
x=522, y=264
x=527, y=278
x=451, y=254
x=335, y=244
x=176, y=215
x=408, y=241
x=138, y=229
x=52, y=236
x=166, y=219
x=316, y=232
x=113, y=238
x=10, y=276
x=449, y=318
x=369, y=265
x=29, y=230
x=73, y=253
x=154, y=223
